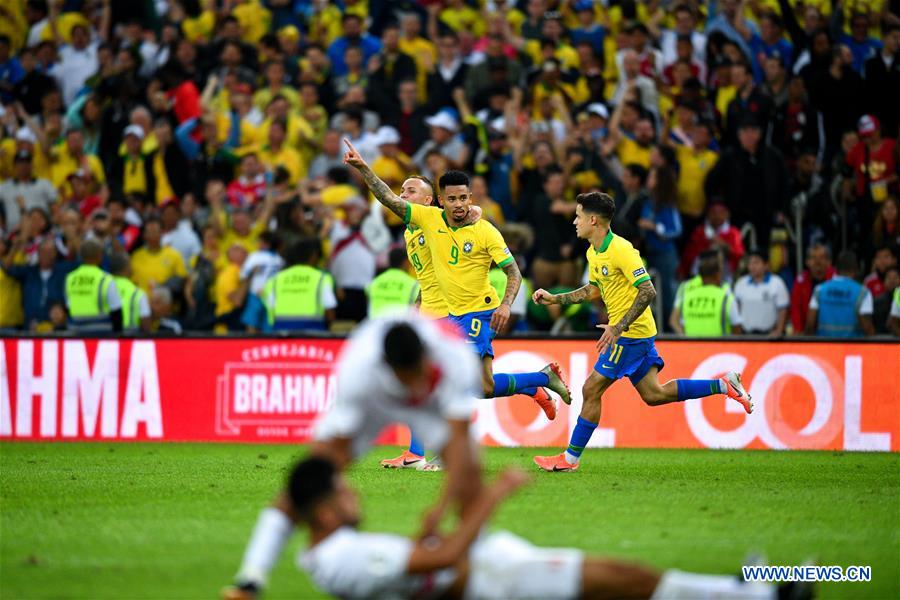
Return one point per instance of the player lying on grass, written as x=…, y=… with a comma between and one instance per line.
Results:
x=626, y=348
x=403, y=369
x=462, y=255
x=467, y=562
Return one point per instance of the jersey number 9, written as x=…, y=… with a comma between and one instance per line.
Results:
x=454, y=255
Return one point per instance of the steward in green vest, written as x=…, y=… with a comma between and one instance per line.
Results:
x=708, y=309
x=135, y=304
x=92, y=300
x=300, y=297
x=394, y=290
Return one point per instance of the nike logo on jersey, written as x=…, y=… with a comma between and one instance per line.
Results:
x=441, y=231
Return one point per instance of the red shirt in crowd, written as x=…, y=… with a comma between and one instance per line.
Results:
x=880, y=167
x=874, y=283
x=701, y=241
x=243, y=192
x=800, y=295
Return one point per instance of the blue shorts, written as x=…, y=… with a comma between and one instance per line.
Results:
x=476, y=327
x=629, y=357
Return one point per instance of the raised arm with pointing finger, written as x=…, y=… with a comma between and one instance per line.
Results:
x=380, y=189
x=383, y=192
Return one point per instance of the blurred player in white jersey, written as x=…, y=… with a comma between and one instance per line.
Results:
x=404, y=369
x=469, y=563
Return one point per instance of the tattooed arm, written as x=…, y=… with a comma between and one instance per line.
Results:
x=513, y=280
x=380, y=189
x=646, y=294
x=586, y=293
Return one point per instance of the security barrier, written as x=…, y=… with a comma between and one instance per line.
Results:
x=808, y=395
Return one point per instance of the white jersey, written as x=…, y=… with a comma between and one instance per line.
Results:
x=370, y=397
x=353, y=564
x=502, y=566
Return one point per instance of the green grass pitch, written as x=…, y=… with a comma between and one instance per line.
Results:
x=171, y=520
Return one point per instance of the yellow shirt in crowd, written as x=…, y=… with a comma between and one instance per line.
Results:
x=149, y=268
x=694, y=165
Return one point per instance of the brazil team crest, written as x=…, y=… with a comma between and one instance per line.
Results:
x=467, y=247
x=604, y=270
x=422, y=240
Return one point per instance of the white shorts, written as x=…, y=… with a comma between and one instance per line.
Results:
x=363, y=429
x=503, y=566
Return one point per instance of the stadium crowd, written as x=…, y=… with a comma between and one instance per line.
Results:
x=192, y=150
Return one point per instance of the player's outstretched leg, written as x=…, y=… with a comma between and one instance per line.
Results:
x=531, y=384
x=678, y=390
x=591, y=392
x=613, y=578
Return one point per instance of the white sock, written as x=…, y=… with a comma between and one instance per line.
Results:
x=571, y=458
x=723, y=387
x=272, y=531
x=679, y=585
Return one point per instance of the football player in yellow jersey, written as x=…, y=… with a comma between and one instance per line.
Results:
x=618, y=276
x=462, y=254
x=419, y=190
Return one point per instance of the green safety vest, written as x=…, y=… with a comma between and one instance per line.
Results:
x=131, y=303
x=86, y=289
x=392, y=291
x=295, y=294
x=704, y=310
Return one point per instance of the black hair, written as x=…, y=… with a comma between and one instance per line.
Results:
x=354, y=113
x=118, y=262
x=282, y=175
x=349, y=15
x=271, y=239
x=154, y=218
x=639, y=171
x=303, y=251
x=4, y=39
x=338, y=175
x=758, y=254
x=117, y=200
x=453, y=178
x=397, y=257
x=311, y=480
x=38, y=5
x=270, y=40
x=889, y=247
x=710, y=263
x=773, y=18
x=403, y=349
x=551, y=170
x=847, y=262
x=683, y=8
x=597, y=203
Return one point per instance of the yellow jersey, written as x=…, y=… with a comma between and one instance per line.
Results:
x=616, y=269
x=632, y=152
x=149, y=268
x=419, y=252
x=694, y=166
x=461, y=257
